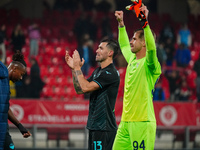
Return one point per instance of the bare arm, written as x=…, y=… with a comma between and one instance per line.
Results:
x=76, y=83
x=123, y=37
x=12, y=117
x=85, y=85
x=69, y=61
x=14, y=120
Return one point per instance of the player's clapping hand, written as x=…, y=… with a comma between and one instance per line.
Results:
x=77, y=62
x=69, y=60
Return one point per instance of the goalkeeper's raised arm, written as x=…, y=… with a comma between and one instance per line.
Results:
x=123, y=36
x=149, y=37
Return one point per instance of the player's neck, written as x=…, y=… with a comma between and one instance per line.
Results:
x=141, y=54
x=105, y=63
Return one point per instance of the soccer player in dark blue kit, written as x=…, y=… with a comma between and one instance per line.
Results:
x=103, y=86
x=4, y=102
x=16, y=70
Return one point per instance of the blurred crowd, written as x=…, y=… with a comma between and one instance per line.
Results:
x=79, y=25
x=180, y=62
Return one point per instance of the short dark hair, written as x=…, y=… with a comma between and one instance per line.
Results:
x=19, y=57
x=141, y=33
x=112, y=45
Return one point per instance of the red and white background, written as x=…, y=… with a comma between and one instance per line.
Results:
x=60, y=112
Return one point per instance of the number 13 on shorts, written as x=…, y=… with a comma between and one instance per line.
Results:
x=97, y=145
x=138, y=146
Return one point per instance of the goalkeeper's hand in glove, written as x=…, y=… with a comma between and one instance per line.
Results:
x=135, y=6
x=143, y=19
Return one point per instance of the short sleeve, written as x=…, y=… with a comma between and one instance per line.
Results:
x=106, y=78
x=90, y=78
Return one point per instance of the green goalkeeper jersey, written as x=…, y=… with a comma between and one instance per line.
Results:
x=140, y=79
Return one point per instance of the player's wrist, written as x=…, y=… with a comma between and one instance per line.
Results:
x=77, y=68
x=22, y=129
x=144, y=23
x=143, y=19
x=121, y=23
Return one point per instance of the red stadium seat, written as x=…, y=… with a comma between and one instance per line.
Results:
x=57, y=93
x=67, y=71
x=62, y=81
x=49, y=81
x=122, y=72
x=60, y=51
x=195, y=55
x=53, y=71
x=196, y=46
x=47, y=92
x=165, y=86
x=120, y=93
x=44, y=71
x=191, y=76
x=71, y=93
x=61, y=92
x=8, y=59
x=58, y=60
x=45, y=32
x=191, y=64
x=25, y=51
x=122, y=80
x=55, y=32
x=49, y=50
x=46, y=60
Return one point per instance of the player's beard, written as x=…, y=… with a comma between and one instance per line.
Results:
x=99, y=59
x=135, y=50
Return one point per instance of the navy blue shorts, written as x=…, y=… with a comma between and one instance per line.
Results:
x=8, y=145
x=101, y=140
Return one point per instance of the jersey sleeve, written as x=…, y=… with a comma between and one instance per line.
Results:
x=151, y=55
x=90, y=78
x=3, y=70
x=124, y=43
x=106, y=78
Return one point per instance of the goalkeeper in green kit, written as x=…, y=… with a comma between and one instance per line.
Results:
x=137, y=129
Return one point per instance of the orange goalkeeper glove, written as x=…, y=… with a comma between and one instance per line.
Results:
x=139, y=14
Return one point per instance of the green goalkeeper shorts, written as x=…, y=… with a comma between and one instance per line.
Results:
x=135, y=136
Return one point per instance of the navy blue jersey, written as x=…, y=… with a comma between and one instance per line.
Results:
x=102, y=101
x=4, y=102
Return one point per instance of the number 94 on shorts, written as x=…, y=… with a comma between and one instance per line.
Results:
x=135, y=136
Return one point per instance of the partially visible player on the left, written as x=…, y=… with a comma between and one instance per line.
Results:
x=14, y=72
